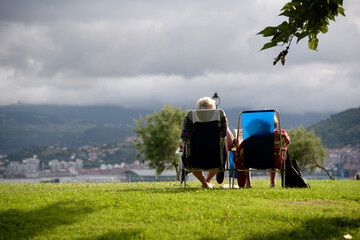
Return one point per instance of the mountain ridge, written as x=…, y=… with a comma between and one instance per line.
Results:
x=24, y=126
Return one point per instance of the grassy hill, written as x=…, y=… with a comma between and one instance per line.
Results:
x=160, y=210
x=340, y=129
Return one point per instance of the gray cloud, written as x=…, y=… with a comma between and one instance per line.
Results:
x=152, y=53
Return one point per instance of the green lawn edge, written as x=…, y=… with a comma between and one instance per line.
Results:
x=160, y=210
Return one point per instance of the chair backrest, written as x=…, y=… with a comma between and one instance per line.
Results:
x=204, y=132
x=258, y=138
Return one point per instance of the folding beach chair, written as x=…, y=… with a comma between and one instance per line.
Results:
x=204, y=134
x=259, y=138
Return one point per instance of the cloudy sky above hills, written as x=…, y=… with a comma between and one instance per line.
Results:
x=150, y=53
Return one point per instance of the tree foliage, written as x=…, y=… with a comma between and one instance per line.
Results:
x=305, y=18
x=307, y=149
x=157, y=138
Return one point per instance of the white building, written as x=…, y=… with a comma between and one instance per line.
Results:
x=56, y=165
x=29, y=166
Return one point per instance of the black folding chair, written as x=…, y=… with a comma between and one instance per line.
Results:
x=204, y=134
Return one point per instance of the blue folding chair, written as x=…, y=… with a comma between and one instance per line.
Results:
x=258, y=142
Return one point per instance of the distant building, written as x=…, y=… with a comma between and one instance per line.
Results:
x=344, y=162
x=29, y=166
x=57, y=165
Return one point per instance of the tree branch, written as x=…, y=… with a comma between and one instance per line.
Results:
x=323, y=168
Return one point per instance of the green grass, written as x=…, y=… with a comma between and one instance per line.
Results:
x=160, y=210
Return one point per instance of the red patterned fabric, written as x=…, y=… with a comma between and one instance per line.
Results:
x=285, y=142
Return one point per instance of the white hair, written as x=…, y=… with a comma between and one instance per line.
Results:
x=205, y=103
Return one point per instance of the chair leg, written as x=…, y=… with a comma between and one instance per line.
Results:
x=227, y=167
x=184, y=179
x=233, y=177
x=180, y=178
x=282, y=172
x=180, y=173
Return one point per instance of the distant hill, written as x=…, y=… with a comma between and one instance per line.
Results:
x=98, y=115
x=340, y=129
x=23, y=126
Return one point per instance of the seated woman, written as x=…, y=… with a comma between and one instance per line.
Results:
x=208, y=103
x=285, y=142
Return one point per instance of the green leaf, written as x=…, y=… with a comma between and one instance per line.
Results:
x=301, y=35
x=341, y=11
x=268, y=31
x=338, y=2
x=269, y=45
x=287, y=14
x=282, y=37
x=284, y=26
x=331, y=16
x=324, y=29
x=287, y=6
x=313, y=43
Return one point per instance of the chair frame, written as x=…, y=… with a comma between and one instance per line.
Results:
x=282, y=165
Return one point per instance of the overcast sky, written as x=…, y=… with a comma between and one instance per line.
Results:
x=151, y=53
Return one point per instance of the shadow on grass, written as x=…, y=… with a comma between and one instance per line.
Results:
x=316, y=228
x=171, y=189
x=132, y=234
x=17, y=224
x=164, y=190
x=123, y=235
